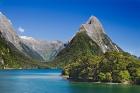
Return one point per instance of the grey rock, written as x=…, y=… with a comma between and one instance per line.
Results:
x=8, y=31
x=95, y=31
x=47, y=49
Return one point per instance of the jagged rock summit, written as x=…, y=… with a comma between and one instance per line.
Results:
x=95, y=31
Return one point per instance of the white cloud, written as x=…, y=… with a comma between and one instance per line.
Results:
x=21, y=30
x=10, y=21
x=26, y=37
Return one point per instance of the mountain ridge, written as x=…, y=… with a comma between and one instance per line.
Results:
x=26, y=45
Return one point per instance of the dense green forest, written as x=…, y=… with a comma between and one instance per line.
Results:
x=117, y=67
x=11, y=57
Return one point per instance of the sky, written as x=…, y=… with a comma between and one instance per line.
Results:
x=61, y=19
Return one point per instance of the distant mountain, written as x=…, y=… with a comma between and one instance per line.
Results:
x=90, y=39
x=46, y=49
x=36, y=49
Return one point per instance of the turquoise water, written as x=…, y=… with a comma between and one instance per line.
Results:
x=50, y=81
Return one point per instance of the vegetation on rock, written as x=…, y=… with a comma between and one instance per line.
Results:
x=79, y=45
x=12, y=58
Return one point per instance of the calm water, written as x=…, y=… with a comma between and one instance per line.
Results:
x=50, y=81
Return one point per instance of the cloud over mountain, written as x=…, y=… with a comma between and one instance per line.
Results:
x=21, y=30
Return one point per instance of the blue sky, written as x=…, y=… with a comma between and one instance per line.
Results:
x=60, y=19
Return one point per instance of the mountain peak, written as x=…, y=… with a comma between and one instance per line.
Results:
x=93, y=25
x=92, y=20
x=95, y=31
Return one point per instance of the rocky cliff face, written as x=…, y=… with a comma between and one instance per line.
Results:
x=8, y=32
x=47, y=49
x=95, y=31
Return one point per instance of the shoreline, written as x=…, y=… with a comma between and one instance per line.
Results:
x=98, y=82
x=66, y=77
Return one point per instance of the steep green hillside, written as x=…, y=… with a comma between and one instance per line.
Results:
x=80, y=44
x=10, y=57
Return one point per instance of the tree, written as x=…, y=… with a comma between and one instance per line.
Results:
x=108, y=77
x=102, y=77
x=121, y=76
x=137, y=79
x=124, y=76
